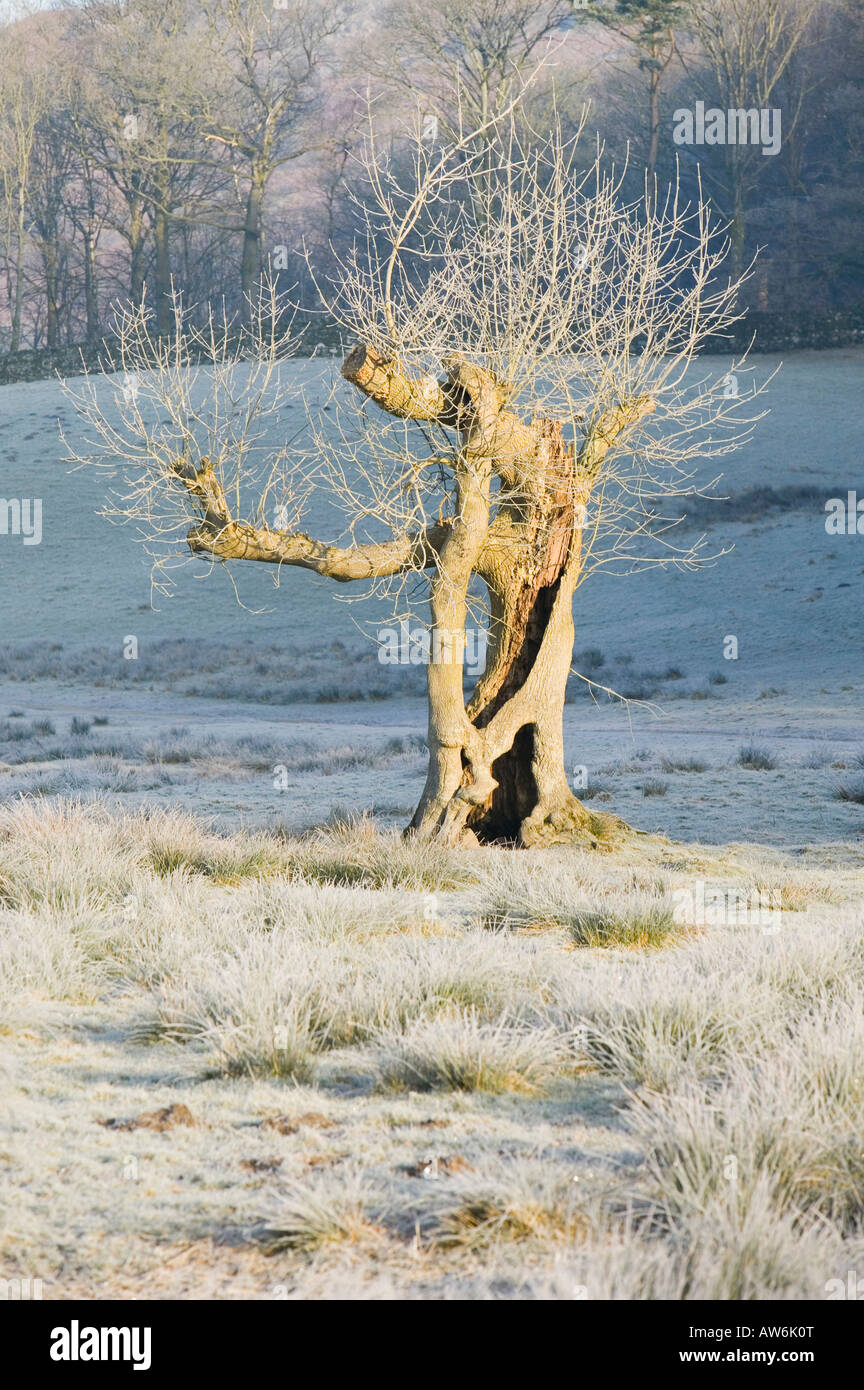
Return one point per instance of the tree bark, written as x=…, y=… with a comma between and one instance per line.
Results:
x=18, y=301
x=91, y=295
x=136, y=250
x=49, y=263
x=653, y=117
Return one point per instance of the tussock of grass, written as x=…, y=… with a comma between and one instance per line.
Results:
x=683, y=765
x=782, y=1135
x=655, y=1045
x=573, y=895
x=795, y=890
x=54, y=951
x=355, y=852
x=226, y=860
x=460, y=1053
x=279, y=996
x=644, y=920
x=307, y=1218
x=756, y=759
x=516, y=1201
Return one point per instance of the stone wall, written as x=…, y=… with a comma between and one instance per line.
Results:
x=791, y=331
x=771, y=333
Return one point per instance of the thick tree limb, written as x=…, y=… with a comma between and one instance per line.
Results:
x=219, y=535
x=408, y=398
x=469, y=399
x=604, y=431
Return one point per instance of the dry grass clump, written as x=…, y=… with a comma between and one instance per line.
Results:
x=180, y=844
x=60, y=856
x=591, y=906
x=795, y=890
x=514, y=1200
x=51, y=951
x=460, y=1052
x=643, y=920
x=783, y=1137
x=313, y=1216
x=755, y=759
x=273, y=999
x=355, y=852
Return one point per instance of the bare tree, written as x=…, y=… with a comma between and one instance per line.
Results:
x=257, y=97
x=651, y=27
x=87, y=206
x=464, y=61
x=136, y=126
x=749, y=46
x=25, y=88
x=523, y=397
x=53, y=171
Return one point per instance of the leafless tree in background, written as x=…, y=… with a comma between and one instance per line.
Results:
x=25, y=88
x=651, y=27
x=469, y=57
x=749, y=45
x=257, y=98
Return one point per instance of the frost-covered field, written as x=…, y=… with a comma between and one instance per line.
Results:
x=351, y=1066
x=389, y=1070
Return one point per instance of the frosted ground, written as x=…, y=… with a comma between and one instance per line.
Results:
x=242, y=1062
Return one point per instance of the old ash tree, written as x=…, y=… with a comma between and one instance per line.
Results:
x=521, y=403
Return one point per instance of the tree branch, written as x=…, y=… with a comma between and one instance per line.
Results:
x=219, y=535
x=408, y=398
x=604, y=431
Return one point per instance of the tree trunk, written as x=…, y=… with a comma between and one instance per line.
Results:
x=653, y=116
x=531, y=787
x=737, y=230
x=496, y=767
x=136, y=252
x=251, y=262
x=91, y=296
x=51, y=316
x=522, y=795
x=163, y=274
x=18, y=302
x=518, y=793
